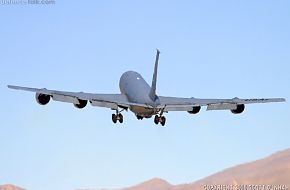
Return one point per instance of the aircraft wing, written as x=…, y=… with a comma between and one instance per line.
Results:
x=112, y=101
x=187, y=104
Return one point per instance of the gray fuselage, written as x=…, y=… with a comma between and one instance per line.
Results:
x=137, y=90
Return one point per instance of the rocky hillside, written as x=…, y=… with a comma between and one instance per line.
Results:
x=10, y=187
x=274, y=169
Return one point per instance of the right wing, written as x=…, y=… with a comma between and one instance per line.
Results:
x=187, y=104
x=113, y=101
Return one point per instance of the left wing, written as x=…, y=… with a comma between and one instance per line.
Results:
x=187, y=104
x=80, y=99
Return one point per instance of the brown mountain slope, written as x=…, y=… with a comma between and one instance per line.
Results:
x=10, y=187
x=271, y=170
x=274, y=169
x=153, y=184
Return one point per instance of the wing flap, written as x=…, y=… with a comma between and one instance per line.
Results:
x=168, y=108
x=258, y=100
x=221, y=106
x=105, y=104
x=64, y=98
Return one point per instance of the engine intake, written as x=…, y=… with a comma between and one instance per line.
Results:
x=82, y=104
x=42, y=99
x=194, y=110
x=240, y=108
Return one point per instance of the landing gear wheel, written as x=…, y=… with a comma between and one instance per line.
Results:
x=114, y=118
x=139, y=117
x=163, y=120
x=117, y=117
x=120, y=118
x=156, y=119
x=159, y=119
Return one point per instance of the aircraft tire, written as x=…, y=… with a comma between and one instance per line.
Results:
x=156, y=119
x=120, y=118
x=114, y=118
x=163, y=120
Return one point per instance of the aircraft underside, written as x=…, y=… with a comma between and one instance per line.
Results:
x=141, y=113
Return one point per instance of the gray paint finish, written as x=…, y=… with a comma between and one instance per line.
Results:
x=141, y=98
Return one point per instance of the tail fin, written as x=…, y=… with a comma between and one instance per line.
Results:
x=152, y=93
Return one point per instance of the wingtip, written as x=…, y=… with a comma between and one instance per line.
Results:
x=13, y=87
x=280, y=99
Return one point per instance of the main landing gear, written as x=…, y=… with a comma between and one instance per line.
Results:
x=139, y=117
x=117, y=117
x=159, y=119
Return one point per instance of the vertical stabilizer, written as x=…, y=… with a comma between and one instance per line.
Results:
x=152, y=94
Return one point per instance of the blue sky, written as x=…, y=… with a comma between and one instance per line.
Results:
x=209, y=49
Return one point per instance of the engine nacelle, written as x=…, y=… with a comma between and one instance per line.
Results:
x=82, y=104
x=42, y=99
x=194, y=110
x=240, y=108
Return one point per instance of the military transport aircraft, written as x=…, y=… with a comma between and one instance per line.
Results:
x=141, y=99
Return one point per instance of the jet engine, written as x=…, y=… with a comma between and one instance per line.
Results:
x=42, y=99
x=240, y=108
x=82, y=104
x=194, y=110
